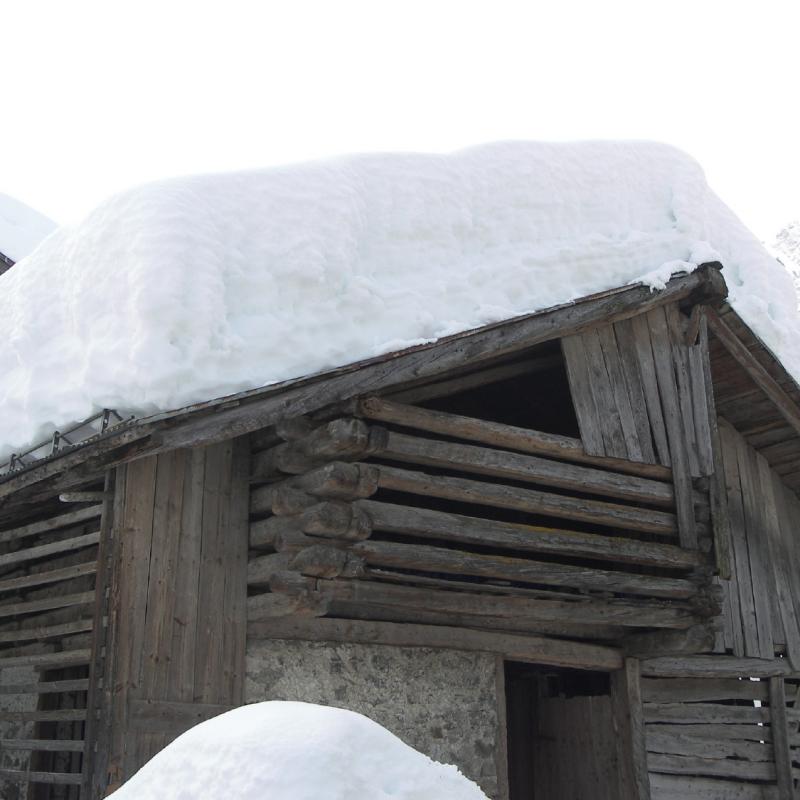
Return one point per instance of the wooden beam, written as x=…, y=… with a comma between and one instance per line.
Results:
x=50, y=576
x=529, y=649
x=626, y=700
x=45, y=687
x=499, y=435
x=785, y=405
x=780, y=737
x=44, y=745
x=51, y=524
x=713, y=666
x=56, y=778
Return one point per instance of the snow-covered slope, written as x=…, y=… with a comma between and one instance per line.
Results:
x=190, y=289
x=294, y=751
x=21, y=228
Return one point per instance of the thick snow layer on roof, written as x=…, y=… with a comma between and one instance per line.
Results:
x=294, y=751
x=21, y=228
x=190, y=289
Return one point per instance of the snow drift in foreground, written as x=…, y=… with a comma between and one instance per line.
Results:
x=294, y=751
x=21, y=228
x=190, y=289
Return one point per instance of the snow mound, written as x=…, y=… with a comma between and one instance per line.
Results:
x=294, y=751
x=194, y=288
x=21, y=228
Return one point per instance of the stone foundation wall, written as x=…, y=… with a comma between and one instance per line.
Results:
x=442, y=703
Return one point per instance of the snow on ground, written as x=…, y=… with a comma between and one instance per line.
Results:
x=190, y=289
x=21, y=228
x=294, y=751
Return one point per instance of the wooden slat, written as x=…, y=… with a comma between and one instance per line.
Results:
x=647, y=366
x=626, y=700
x=625, y=339
x=46, y=603
x=580, y=383
x=706, y=747
x=743, y=576
x=45, y=687
x=780, y=736
x=170, y=716
x=763, y=584
x=62, y=546
x=747, y=732
x=678, y=787
x=52, y=524
x=713, y=667
x=670, y=402
x=501, y=436
x=61, y=715
x=609, y=415
x=50, y=576
x=56, y=778
x=598, y=512
x=706, y=713
x=692, y=690
x=46, y=631
x=722, y=767
x=528, y=649
x=44, y=745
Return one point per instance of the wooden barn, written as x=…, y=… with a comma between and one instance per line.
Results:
x=560, y=552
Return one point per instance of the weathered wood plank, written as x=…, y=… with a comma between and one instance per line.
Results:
x=609, y=415
x=50, y=576
x=713, y=666
x=780, y=737
x=529, y=649
x=439, y=559
x=692, y=690
x=45, y=745
x=501, y=436
x=166, y=716
x=53, y=523
x=723, y=767
x=580, y=382
x=532, y=469
x=705, y=747
x=644, y=352
x=46, y=603
x=626, y=702
x=670, y=401
x=46, y=631
x=53, y=548
x=626, y=345
x=525, y=538
x=718, y=732
x=45, y=687
x=743, y=576
x=599, y=512
x=678, y=787
x=56, y=778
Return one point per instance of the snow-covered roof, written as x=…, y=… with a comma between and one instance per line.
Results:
x=21, y=228
x=189, y=289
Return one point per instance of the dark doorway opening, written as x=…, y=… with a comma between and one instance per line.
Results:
x=561, y=739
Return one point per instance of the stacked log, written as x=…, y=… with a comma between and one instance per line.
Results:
x=492, y=527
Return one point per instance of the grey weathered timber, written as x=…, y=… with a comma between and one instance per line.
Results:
x=706, y=713
x=723, y=767
x=677, y=787
x=745, y=732
x=530, y=649
x=677, y=744
x=697, y=639
x=663, y=359
x=458, y=562
x=165, y=716
x=713, y=666
x=46, y=603
x=785, y=405
x=501, y=436
x=67, y=520
x=42, y=550
x=58, y=778
x=46, y=631
x=49, y=576
x=522, y=609
x=177, y=624
x=580, y=381
x=780, y=736
x=525, y=538
x=45, y=745
x=60, y=715
x=600, y=512
x=45, y=687
x=626, y=700
x=692, y=690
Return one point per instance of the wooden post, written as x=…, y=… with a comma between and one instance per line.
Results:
x=780, y=738
x=626, y=698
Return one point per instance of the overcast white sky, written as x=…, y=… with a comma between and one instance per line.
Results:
x=97, y=96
